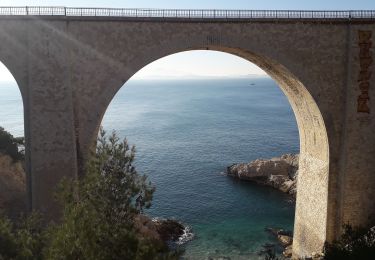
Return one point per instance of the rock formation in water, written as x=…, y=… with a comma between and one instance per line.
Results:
x=12, y=187
x=279, y=172
x=285, y=239
x=165, y=230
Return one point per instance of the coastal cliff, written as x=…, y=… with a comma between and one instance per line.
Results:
x=279, y=172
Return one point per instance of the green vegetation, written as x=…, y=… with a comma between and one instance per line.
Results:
x=9, y=145
x=23, y=240
x=99, y=212
x=355, y=243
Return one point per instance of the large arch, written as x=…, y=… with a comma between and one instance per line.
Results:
x=16, y=189
x=311, y=216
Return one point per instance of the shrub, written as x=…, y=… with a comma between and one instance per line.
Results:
x=9, y=145
x=98, y=220
x=22, y=240
x=355, y=243
x=99, y=209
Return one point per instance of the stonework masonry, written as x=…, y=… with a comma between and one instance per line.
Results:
x=69, y=69
x=365, y=57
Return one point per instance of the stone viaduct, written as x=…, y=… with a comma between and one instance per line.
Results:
x=69, y=63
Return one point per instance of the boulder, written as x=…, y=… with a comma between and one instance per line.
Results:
x=288, y=251
x=279, y=172
x=146, y=227
x=169, y=230
x=278, y=181
x=285, y=165
x=285, y=240
x=287, y=186
x=163, y=230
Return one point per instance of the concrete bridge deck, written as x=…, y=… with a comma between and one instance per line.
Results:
x=190, y=14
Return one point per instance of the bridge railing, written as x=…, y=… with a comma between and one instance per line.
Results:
x=185, y=13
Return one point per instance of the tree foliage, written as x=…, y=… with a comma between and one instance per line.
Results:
x=98, y=214
x=9, y=145
x=23, y=240
x=355, y=243
x=99, y=209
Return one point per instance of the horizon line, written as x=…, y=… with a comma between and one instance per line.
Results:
x=194, y=77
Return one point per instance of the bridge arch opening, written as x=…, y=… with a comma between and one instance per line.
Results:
x=13, y=188
x=311, y=214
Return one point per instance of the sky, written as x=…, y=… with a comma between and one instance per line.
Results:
x=197, y=63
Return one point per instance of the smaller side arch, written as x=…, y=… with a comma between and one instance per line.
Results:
x=17, y=191
x=14, y=54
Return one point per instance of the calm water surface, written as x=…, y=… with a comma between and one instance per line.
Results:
x=186, y=133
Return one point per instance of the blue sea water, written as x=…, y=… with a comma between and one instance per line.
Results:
x=186, y=133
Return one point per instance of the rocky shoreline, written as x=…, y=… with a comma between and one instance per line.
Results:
x=170, y=232
x=13, y=203
x=285, y=239
x=278, y=172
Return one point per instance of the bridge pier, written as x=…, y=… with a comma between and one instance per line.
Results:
x=49, y=115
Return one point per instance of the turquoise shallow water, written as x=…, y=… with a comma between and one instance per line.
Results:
x=186, y=133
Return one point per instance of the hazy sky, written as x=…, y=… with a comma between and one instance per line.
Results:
x=197, y=63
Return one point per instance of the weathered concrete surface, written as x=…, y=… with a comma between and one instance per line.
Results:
x=69, y=69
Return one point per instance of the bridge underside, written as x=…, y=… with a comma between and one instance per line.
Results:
x=68, y=71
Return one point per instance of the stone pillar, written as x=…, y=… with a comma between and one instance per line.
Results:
x=52, y=142
x=357, y=176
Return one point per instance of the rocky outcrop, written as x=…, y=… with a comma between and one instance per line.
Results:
x=285, y=239
x=166, y=231
x=279, y=172
x=12, y=187
x=288, y=251
x=169, y=230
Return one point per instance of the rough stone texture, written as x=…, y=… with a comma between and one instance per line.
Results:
x=69, y=69
x=278, y=172
x=285, y=240
x=286, y=165
x=162, y=230
x=288, y=251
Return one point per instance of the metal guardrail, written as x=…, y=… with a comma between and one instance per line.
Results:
x=185, y=14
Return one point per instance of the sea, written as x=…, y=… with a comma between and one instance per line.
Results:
x=186, y=133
